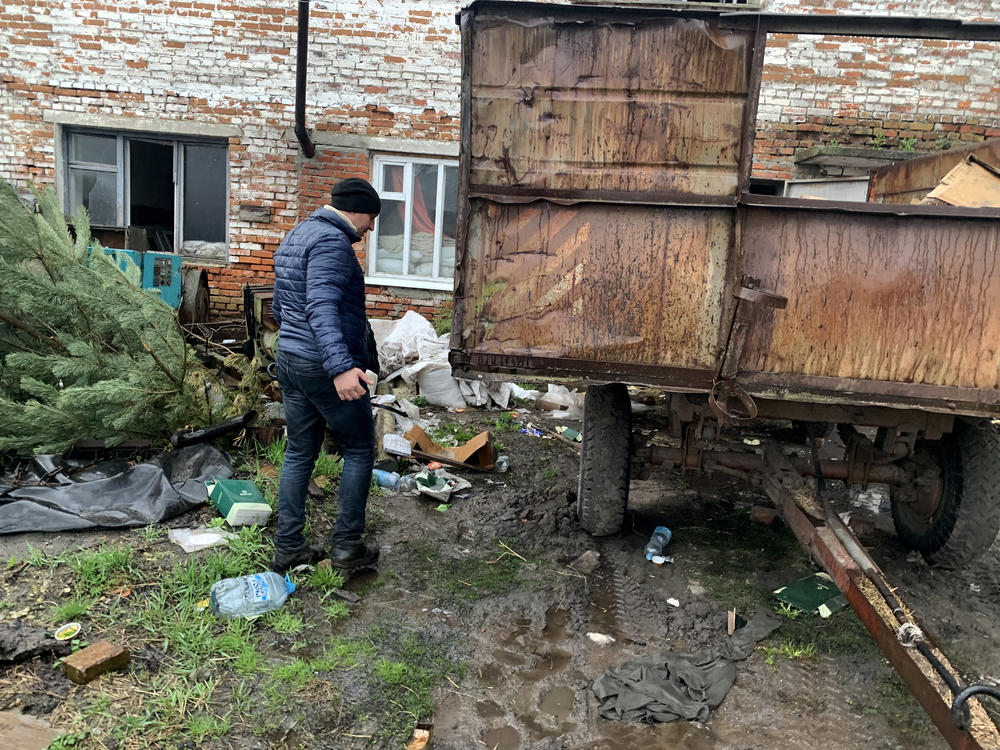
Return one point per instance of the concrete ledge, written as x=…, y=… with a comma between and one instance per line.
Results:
x=143, y=124
x=354, y=142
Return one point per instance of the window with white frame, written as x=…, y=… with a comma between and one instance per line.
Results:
x=413, y=243
x=175, y=189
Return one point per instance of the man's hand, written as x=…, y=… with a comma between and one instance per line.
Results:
x=349, y=384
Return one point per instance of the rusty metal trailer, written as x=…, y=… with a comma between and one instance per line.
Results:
x=607, y=236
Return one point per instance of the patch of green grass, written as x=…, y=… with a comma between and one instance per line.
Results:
x=549, y=474
x=442, y=318
x=462, y=582
x=152, y=533
x=411, y=662
x=452, y=433
x=64, y=741
x=420, y=401
x=204, y=725
x=284, y=622
x=39, y=559
x=328, y=466
x=336, y=610
x=12, y=562
x=100, y=569
x=295, y=674
x=788, y=648
x=70, y=610
x=326, y=577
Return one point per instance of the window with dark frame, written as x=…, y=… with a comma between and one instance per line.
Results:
x=175, y=189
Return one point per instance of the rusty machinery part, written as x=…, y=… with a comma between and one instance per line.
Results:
x=605, y=458
x=960, y=716
x=718, y=400
x=194, y=296
x=950, y=513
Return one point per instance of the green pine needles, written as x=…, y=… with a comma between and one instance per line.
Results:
x=85, y=353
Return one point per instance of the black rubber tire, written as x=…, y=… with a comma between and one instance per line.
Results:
x=967, y=520
x=605, y=459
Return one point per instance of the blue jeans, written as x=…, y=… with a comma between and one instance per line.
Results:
x=311, y=403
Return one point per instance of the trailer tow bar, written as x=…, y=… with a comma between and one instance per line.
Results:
x=962, y=721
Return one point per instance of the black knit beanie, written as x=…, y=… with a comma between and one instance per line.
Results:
x=355, y=196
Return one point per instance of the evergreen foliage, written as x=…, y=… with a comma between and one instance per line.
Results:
x=84, y=351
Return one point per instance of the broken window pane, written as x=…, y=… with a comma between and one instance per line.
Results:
x=96, y=192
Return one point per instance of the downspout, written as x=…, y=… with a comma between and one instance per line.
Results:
x=308, y=147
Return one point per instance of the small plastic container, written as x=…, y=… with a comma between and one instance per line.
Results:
x=659, y=539
x=502, y=464
x=248, y=596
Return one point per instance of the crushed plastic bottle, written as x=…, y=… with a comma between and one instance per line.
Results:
x=659, y=539
x=248, y=596
x=393, y=481
x=502, y=464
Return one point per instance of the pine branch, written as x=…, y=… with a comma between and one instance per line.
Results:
x=51, y=341
x=162, y=366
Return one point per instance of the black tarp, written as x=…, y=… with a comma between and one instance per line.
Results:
x=163, y=487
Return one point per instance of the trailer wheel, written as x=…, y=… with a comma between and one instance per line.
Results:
x=604, y=459
x=954, y=520
x=194, y=296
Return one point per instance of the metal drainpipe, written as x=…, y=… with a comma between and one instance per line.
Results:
x=308, y=147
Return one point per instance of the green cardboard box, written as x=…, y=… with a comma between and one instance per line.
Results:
x=239, y=501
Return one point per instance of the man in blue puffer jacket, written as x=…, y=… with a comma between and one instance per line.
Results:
x=325, y=345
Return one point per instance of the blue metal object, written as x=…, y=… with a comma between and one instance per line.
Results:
x=160, y=271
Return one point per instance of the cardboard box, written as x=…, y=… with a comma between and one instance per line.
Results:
x=477, y=453
x=240, y=502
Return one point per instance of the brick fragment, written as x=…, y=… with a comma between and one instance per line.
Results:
x=94, y=660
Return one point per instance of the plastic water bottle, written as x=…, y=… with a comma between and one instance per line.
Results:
x=387, y=479
x=393, y=481
x=251, y=595
x=659, y=540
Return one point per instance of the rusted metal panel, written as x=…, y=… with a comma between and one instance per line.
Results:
x=641, y=107
x=596, y=282
x=911, y=180
x=876, y=297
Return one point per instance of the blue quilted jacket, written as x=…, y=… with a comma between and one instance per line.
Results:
x=319, y=296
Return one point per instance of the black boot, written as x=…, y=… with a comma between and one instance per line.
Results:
x=286, y=558
x=353, y=555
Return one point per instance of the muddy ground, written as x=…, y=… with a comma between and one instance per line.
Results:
x=482, y=601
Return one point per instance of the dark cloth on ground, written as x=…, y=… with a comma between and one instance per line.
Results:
x=672, y=686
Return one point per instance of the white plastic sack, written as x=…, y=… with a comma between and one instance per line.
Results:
x=411, y=338
x=436, y=384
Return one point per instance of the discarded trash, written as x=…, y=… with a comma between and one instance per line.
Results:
x=421, y=737
x=239, y=502
x=659, y=560
x=763, y=515
x=815, y=593
x=396, y=445
x=94, y=660
x=393, y=481
x=193, y=540
x=531, y=431
x=659, y=539
x=434, y=465
x=569, y=433
x=442, y=507
x=249, y=596
x=502, y=464
x=668, y=686
x=477, y=453
x=751, y=441
x=673, y=602
x=601, y=639
x=67, y=631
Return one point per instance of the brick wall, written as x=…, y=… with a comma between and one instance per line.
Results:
x=375, y=69
x=391, y=70
x=894, y=94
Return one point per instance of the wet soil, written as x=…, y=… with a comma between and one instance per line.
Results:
x=498, y=578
